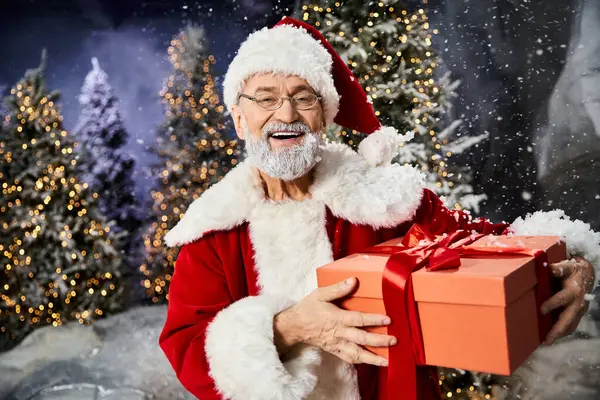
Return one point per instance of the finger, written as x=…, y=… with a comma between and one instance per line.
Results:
x=560, y=299
x=353, y=353
x=570, y=330
x=565, y=320
x=588, y=284
x=573, y=327
x=336, y=291
x=364, y=338
x=358, y=319
x=583, y=274
x=563, y=268
x=589, y=276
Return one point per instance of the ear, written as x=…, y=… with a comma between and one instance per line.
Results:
x=236, y=114
x=322, y=115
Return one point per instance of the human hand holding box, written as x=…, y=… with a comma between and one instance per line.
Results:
x=482, y=316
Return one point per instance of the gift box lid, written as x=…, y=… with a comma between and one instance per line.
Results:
x=484, y=280
x=488, y=280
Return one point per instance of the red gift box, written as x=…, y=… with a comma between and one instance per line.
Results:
x=474, y=306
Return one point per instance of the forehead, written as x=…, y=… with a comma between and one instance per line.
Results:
x=277, y=82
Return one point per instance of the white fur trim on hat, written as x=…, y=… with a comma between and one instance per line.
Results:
x=381, y=146
x=287, y=50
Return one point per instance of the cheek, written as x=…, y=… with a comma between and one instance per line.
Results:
x=255, y=125
x=314, y=120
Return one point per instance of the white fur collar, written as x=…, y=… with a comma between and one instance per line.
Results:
x=382, y=196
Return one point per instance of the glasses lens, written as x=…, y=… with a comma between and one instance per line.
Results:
x=304, y=101
x=268, y=101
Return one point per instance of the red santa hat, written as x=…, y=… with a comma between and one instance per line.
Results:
x=296, y=48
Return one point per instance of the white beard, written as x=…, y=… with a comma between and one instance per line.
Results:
x=285, y=163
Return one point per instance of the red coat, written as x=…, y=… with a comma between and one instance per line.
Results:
x=245, y=258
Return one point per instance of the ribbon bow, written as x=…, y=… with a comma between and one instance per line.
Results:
x=407, y=373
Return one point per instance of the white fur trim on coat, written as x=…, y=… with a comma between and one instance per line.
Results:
x=287, y=50
x=581, y=240
x=243, y=360
x=344, y=182
x=286, y=265
x=223, y=206
x=381, y=146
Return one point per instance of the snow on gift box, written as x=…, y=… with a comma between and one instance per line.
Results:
x=497, y=288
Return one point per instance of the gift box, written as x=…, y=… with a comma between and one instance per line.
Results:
x=481, y=316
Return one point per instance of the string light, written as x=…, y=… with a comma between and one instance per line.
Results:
x=195, y=156
x=35, y=273
x=413, y=28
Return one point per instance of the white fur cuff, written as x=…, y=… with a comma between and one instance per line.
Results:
x=243, y=360
x=581, y=240
x=381, y=146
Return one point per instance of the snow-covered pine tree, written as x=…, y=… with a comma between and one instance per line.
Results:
x=58, y=260
x=193, y=148
x=389, y=49
x=105, y=166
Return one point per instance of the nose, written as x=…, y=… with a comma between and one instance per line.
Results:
x=287, y=113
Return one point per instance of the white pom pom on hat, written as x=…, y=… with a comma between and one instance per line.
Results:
x=297, y=48
x=381, y=146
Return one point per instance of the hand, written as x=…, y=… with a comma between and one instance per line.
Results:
x=577, y=280
x=318, y=322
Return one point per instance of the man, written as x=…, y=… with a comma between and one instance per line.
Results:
x=245, y=319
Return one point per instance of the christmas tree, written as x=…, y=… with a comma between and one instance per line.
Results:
x=58, y=256
x=105, y=167
x=389, y=50
x=192, y=147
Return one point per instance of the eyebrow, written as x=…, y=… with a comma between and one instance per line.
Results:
x=265, y=89
x=273, y=89
x=299, y=88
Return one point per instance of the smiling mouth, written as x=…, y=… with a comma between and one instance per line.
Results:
x=285, y=135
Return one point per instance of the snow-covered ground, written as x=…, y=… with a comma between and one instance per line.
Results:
x=116, y=358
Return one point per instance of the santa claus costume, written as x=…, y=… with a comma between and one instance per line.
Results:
x=244, y=257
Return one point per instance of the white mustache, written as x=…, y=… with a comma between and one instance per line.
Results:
x=295, y=127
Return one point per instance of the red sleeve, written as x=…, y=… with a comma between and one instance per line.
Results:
x=434, y=214
x=197, y=292
x=221, y=348
x=580, y=238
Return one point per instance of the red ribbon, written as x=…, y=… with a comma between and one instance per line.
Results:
x=408, y=374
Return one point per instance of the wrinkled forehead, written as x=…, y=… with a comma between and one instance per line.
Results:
x=276, y=83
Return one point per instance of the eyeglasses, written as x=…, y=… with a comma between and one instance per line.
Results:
x=272, y=102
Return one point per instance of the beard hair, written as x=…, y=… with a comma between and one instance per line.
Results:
x=288, y=162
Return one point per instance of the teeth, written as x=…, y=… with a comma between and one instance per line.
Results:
x=285, y=134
